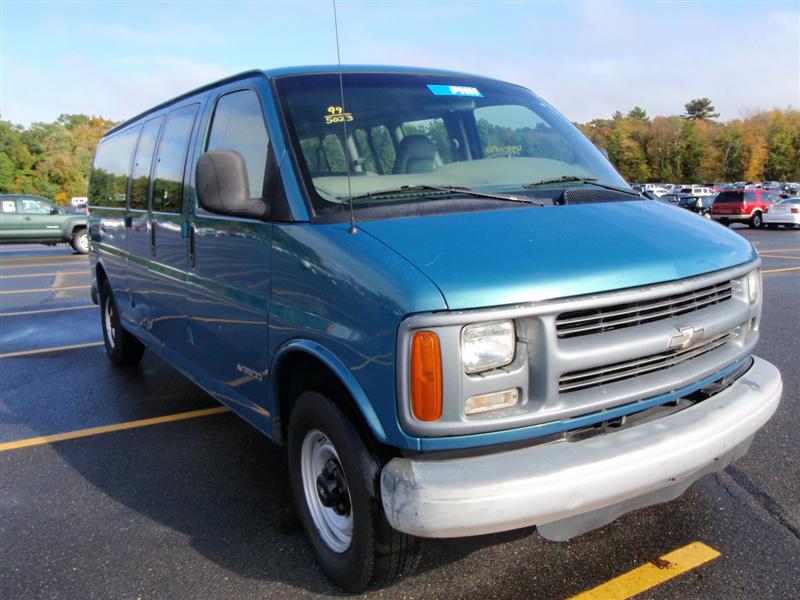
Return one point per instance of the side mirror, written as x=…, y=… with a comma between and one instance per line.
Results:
x=603, y=151
x=54, y=210
x=222, y=186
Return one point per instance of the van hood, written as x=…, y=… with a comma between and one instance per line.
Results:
x=524, y=254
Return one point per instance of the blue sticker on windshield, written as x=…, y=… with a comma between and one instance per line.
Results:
x=454, y=90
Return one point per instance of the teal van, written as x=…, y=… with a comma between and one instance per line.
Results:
x=437, y=294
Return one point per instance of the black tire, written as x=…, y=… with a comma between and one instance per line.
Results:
x=80, y=241
x=122, y=348
x=756, y=221
x=377, y=554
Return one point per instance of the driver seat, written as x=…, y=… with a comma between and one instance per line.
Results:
x=415, y=154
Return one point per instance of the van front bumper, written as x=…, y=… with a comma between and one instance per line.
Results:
x=567, y=488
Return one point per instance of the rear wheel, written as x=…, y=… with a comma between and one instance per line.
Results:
x=122, y=347
x=756, y=221
x=80, y=241
x=335, y=475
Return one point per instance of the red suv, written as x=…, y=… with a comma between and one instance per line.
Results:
x=743, y=206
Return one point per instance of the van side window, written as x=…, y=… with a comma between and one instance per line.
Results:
x=9, y=206
x=140, y=178
x=108, y=184
x=172, y=149
x=384, y=147
x=238, y=125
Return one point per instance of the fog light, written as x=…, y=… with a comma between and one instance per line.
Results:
x=493, y=401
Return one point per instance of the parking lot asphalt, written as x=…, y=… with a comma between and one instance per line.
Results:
x=200, y=507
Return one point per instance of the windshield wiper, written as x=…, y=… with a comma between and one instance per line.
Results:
x=576, y=179
x=449, y=189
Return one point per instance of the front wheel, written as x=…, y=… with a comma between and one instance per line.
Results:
x=80, y=241
x=756, y=221
x=335, y=476
x=122, y=347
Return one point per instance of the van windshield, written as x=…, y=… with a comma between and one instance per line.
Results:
x=400, y=129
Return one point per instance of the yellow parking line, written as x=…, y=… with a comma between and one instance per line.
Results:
x=20, y=259
x=71, y=435
x=29, y=275
x=652, y=574
x=780, y=256
x=45, y=310
x=47, y=350
x=779, y=250
x=39, y=290
x=781, y=270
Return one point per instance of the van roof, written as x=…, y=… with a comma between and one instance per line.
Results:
x=288, y=71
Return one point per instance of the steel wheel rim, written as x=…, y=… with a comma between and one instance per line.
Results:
x=111, y=332
x=83, y=242
x=334, y=529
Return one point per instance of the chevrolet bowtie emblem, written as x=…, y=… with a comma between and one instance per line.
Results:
x=687, y=336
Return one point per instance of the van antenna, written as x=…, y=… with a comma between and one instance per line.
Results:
x=353, y=228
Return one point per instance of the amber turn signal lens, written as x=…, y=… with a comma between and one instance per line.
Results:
x=426, y=376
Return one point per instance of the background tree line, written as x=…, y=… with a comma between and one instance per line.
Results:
x=762, y=146
x=53, y=159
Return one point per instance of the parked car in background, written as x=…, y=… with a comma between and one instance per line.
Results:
x=33, y=219
x=698, y=191
x=743, y=206
x=786, y=212
x=701, y=206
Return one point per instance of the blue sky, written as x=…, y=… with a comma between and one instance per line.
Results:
x=117, y=58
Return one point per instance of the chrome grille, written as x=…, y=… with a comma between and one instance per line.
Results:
x=587, y=378
x=607, y=318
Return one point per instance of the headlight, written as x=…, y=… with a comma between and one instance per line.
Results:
x=487, y=346
x=754, y=285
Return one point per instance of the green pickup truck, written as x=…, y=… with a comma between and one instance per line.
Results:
x=33, y=219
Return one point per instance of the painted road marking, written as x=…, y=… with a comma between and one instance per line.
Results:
x=55, y=289
x=47, y=350
x=28, y=275
x=779, y=250
x=19, y=259
x=782, y=256
x=2, y=266
x=71, y=435
x=45, y=310
x=781, y=270
x=652, y=574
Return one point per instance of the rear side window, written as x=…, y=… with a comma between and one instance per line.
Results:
x=108, y=185
x=729, y=197
x=238, y=125
x=31, y=206
x=140, y=178
x=749, y=196
x=172, y=150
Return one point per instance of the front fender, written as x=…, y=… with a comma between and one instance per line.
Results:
x=341, y=371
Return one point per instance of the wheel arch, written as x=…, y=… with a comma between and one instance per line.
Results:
x=73, y=226
x=322, y=371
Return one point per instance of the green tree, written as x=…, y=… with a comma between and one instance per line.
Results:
x=699, y=109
